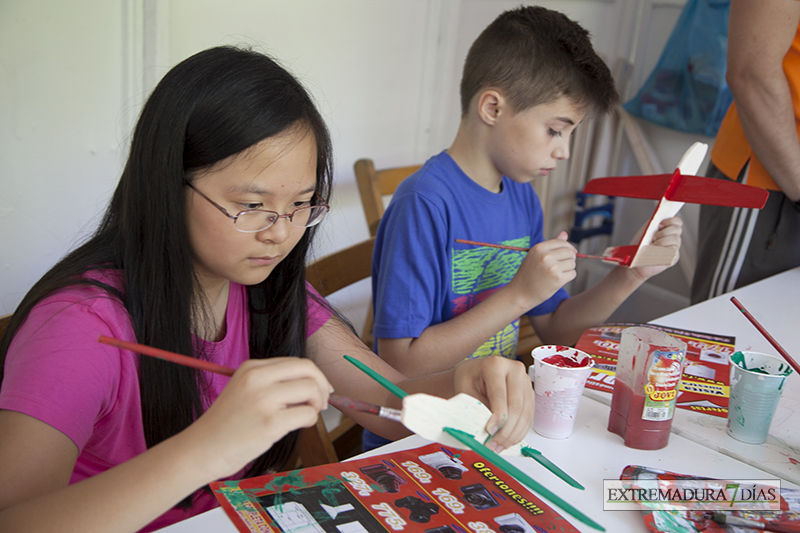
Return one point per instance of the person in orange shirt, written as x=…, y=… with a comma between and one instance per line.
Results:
x=757, y=143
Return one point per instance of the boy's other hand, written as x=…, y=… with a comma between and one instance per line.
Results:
x=669, y=235
x=549, y=266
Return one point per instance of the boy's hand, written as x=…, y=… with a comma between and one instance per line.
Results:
x=504, y=386
x=549, y=266
x=669, y=235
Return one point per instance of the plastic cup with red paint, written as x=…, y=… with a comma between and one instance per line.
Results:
x=559, y=374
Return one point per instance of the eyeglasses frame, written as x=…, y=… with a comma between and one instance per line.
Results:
x=287, y=216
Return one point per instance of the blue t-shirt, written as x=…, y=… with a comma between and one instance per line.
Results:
x=422, y=277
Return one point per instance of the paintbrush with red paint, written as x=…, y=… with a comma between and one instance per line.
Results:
x=766, y=334
x=521, y=249
x=774, y=526
x=343, y=402
x=334, y=399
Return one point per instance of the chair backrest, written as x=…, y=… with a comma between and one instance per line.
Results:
x=4, y=320
x=341, y=269
x=373, y=185
x=329, y=274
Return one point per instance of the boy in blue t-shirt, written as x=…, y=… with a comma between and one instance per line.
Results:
x=528, y=81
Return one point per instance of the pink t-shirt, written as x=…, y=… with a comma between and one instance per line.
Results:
x=57, y=371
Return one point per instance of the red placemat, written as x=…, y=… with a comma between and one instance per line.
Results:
x=432, y=489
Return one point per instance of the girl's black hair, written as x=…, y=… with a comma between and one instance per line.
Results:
x=210, y=106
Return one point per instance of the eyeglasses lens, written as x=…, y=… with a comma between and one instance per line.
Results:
x=253, y=221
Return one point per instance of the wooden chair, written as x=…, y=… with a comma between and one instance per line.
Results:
x=528, y=340
x=328, y=275
x=4, y=320
x=373, y=185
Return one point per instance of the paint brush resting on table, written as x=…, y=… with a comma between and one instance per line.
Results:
x=334, y=399
x=766, y=335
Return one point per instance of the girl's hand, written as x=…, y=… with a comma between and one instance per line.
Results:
x=264, y=400
x=505, y=387
x=669, y=235
x=548, y=266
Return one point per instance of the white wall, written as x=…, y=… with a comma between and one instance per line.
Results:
x=657, y=19
x=61, y=130
x=360, y=59
x=73, y=75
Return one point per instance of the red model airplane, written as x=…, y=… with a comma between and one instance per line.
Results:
x=672, y=191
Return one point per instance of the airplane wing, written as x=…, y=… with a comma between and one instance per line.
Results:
x=672, y=191
x=648, y=187
x=687, y=188
x=710, y=191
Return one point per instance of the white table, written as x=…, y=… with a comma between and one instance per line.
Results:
x=774, y=303
x=590, y=455
x=698, y=445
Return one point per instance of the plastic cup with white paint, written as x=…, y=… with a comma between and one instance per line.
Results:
x=559, y=374
x=757, y=381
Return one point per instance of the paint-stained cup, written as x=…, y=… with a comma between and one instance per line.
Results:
x=559, y=374
x=757, y=381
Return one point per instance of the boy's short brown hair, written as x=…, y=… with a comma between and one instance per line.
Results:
x=533, y=56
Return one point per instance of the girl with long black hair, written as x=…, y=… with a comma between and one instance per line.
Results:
x=202, y=252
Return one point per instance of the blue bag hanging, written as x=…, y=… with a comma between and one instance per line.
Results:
x=687, y=90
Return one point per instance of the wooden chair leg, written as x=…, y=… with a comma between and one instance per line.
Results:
x=315, y=447
x=346, y=438
x=528, y=340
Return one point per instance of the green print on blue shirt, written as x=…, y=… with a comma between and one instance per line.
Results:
x=476, y=274
x=482, y=268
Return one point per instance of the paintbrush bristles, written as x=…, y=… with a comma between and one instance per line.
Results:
x=343, y=402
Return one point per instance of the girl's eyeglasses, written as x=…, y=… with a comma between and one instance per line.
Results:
x=255, y=220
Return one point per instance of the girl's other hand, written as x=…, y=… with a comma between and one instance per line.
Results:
x=264, y=401
x=503, y=385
